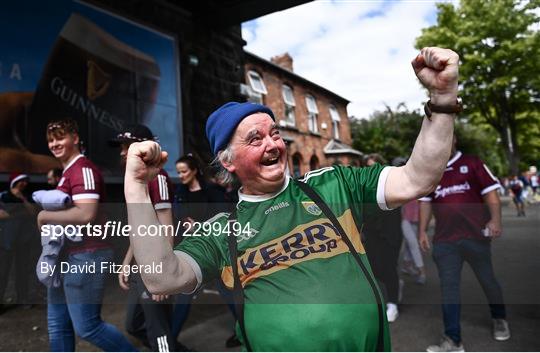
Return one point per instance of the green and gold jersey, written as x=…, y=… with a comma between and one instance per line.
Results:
x=303, y=289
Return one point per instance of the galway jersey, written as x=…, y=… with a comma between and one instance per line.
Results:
x=81, y=179
x=160, y=191
x=457, y=201
x=303, y=289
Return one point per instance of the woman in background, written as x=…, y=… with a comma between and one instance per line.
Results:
x=197, y=200
x=413, y=263
x=204, y=199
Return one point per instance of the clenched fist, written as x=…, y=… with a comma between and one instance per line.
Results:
x=437, y=70
x=144, y=161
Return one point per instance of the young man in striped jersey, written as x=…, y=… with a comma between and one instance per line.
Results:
x=75, y=306
x=148, y=315
x=306, y=287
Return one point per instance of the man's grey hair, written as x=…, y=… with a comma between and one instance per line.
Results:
x=223, y=174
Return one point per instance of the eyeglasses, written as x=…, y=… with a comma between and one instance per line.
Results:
x=55, y=126
x=129, y=136
x=69, y=126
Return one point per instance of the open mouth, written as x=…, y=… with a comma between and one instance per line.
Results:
x=270, y=161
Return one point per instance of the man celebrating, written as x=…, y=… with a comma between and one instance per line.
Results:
x=146, y=319
x=467, y=212
x=298, y=263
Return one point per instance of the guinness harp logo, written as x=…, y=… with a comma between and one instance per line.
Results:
x=97, y=81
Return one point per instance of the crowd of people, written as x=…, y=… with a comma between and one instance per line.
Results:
x=74, y=303
x=300, y=239
x=523, y=189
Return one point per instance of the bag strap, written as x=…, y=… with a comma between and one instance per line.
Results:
x=312, y=194
x=238, y=290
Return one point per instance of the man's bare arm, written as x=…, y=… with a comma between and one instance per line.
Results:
x=437, y=70
x=165, y=217
x=493, y=202
x=123, y=277
x=82, y=212
x=144, y=161
x=424, y=218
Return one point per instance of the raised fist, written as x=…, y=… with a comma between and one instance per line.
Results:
x=437, y=70
x=144, y=161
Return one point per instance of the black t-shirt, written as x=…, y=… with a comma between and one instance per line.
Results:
x=199, y=205
x=196, y=205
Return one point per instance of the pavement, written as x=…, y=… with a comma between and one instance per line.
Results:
x=516, y=263
x=517, y=266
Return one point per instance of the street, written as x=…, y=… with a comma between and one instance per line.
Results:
x=516, y=263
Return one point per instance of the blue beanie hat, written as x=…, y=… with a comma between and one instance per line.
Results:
x=221, y=124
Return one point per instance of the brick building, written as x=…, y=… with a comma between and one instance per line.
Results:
x=313, y=120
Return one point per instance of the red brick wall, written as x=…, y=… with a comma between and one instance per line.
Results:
x=306, y=144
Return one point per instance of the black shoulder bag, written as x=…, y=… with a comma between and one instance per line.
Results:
x=238, y=290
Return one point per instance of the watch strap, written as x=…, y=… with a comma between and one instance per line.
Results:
x=430, y=108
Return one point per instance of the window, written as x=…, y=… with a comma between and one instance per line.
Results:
x=256, y=83
x=335, y=121
x=257, y=88
x=288, y=98
x=313, y=114
x=255, y=97
x=296, y=162
x=314, y=163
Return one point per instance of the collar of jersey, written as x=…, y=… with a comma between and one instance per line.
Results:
x=72, y=162
x=455, y=158
x=264, y=197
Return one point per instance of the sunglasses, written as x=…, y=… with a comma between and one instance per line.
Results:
x=129, y=136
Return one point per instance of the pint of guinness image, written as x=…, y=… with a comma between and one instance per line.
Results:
x=99, y=81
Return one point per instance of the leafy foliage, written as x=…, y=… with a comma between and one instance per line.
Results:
x=392, y=133
x=389, y=133
x=499, y=46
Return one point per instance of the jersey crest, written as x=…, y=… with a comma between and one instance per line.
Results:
x=312, y=208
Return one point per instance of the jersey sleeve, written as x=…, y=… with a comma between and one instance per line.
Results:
x=85, y=183
x=367, y=184
x=160, y=191
x=206, y=253
x=486, y=180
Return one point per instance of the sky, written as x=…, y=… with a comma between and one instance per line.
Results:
x=360, y=50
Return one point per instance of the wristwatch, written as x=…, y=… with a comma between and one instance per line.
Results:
x=430, y=108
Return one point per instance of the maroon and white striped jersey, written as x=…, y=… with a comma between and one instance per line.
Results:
x=82, y=180
x=457, y=202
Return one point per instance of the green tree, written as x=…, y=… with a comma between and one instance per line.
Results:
x=499, y=46
x=481, y=141
x=392, y=133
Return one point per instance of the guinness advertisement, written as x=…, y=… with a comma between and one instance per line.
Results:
x=95, y=67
